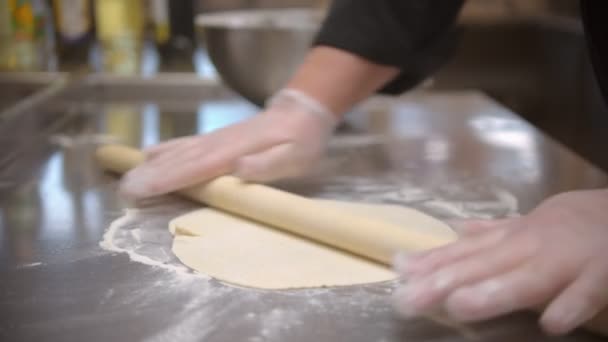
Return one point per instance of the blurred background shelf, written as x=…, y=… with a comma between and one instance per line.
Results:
x=529, y=55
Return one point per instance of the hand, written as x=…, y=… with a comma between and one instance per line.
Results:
x=285, y=140
x=555, y=258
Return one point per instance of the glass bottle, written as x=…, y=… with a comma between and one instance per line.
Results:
x=120, y=31
x=74, y=24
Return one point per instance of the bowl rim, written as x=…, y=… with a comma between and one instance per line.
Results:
x=252, y=19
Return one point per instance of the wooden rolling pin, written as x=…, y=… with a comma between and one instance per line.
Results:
x=375, y=240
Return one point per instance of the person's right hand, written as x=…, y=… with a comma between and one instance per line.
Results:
x=553, y=259
x=285, y=140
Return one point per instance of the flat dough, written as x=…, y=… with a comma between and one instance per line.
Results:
x=249, y=254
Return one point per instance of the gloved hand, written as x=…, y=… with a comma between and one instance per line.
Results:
x=283, y=141
x=554, y=258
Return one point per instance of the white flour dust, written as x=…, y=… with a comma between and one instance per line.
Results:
x=448, y=201
x=142, y=234
x=30, y=265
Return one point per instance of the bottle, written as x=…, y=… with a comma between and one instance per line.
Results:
x=20, y=54
x=182, y=22
x=6, y=36
x=173, y=27
x=74, y=24
x=159, y=19
x=28, y=43
x=44, y=36
x=120, y=31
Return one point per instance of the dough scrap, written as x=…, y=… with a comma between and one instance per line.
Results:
x=245, y=253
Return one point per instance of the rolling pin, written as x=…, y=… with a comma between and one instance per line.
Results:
x=361, y=236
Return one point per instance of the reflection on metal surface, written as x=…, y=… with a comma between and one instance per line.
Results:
x=150, y=60
x=437, y=149
x=56, y=197
x=122, y=121
x=202, y=64
x=410, y=119
x=176, y=123
x=504, y=132
x=22, y=224
x=150, y=125
x=515, y=135
x=212, y=115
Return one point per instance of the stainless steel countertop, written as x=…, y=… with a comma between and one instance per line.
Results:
x=58, y=284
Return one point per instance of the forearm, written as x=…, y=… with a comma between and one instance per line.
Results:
x=339, y=79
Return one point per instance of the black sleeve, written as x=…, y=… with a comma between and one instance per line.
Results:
x=415, y=35
x=596, y=30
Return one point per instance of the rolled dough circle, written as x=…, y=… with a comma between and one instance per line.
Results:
x=245, y=253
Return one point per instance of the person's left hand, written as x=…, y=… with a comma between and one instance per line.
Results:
x=555, y=258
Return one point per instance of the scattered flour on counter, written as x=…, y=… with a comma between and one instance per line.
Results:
x=273, y=324
x=449, y=201
x=136, y=234
x=195, y=322
x=209, y=309
x=193, y=325
x=107, y=296
x=142, y=234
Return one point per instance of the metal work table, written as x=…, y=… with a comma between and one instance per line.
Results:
x=452, y=154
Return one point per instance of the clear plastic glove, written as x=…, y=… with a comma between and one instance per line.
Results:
x=285, y=140
x=554, y=259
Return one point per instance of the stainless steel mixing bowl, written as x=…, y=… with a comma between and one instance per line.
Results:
x=256, y=51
